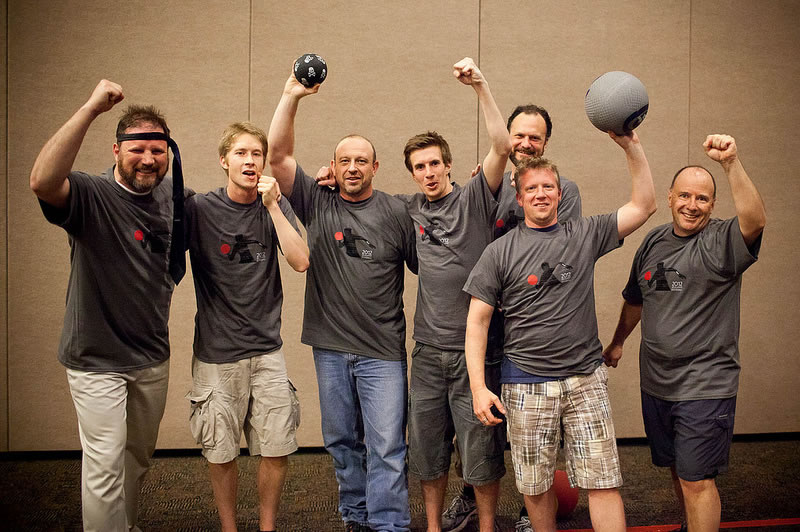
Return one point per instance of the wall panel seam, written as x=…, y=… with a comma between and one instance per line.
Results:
x=689, y=96
x=6, y=445
x=478, y=106
x=250, y=65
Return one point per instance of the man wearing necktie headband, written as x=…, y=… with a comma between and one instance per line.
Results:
x=122, y=228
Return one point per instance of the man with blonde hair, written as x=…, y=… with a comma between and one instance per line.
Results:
x=552, y=372
x=238, y=369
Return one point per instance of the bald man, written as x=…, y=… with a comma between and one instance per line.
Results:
x=684, y=286
x=359, y=239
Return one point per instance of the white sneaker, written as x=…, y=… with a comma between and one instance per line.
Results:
x=523, y=525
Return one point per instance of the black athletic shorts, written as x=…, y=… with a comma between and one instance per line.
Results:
x=694, y=436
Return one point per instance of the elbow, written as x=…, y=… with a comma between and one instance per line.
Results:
x=504, y=148
x=276, y=156
x=35, y=183
x=762, y=221
x=647, y=207
x=301, y=265
x=754, y=228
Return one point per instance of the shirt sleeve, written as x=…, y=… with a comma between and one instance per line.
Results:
x=302, y=194
x=632, y=293
x=484, y=280
x=70, y=218
x=569, y=208
x=409, y=241
x=726, y=250
x=286, y=209
x=480, y=198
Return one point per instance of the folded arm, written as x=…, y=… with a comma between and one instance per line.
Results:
x=292, y=244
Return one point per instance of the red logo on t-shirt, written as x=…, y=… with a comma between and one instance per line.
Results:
x=338, y=236
x=648, y=275
x=532, y=279
x=500, y=223
x=138, y=235
x=225, y=249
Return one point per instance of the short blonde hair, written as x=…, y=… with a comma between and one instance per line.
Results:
x=535, y=163
x=234, y=130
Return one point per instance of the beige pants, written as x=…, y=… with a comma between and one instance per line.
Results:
x=118, y=418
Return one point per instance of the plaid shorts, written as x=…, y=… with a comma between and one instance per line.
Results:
x=537, y=414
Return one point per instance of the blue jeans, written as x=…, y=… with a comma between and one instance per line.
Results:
x=363, y=404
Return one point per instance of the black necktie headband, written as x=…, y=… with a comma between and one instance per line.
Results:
x=177, y=256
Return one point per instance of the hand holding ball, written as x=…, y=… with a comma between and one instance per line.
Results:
x=310, y=70
x=616, y=101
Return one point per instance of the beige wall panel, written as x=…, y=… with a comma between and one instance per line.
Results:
x=745, y=73
x=390, y=77
x=4, y=232
x=736, y=71
x=193, y=64
x=550, y=60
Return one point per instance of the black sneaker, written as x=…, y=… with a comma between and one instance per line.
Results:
x=458, y=514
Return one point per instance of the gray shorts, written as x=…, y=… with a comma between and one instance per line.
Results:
x=254, y=395
x=536, y=414
x=440, y=405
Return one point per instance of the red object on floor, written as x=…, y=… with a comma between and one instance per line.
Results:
x=566, y=495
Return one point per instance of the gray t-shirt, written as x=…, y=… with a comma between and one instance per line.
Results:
x=119, y=289
x=234, y=253
x=545, y=281
x=452, y=232
x=689, y=289
x=354, y=286
x=510, y=214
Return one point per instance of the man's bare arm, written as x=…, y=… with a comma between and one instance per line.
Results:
x=642, y=205
x=280, y=138
x=468, y=73
x=750, y=210
x=50, y=172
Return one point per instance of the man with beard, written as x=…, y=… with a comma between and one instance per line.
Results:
x=689, y=309
x=238, y=368
x=115, y=342
x=353, y=317
x=529, y=128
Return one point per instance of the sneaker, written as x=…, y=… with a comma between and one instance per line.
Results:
x=523, y=525
x=458, y=514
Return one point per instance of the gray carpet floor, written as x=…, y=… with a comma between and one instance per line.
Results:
x=42, y=492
